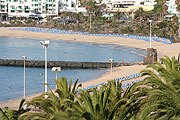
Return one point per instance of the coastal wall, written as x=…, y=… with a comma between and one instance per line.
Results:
x=63, y=64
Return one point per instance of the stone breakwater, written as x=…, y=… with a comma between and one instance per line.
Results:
x=63, y=64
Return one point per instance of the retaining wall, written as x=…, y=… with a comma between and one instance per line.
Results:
x=63, y=64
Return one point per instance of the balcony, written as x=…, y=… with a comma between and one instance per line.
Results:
x=27, y=9
x=13, y=8
x=3, y=3
x=3, y=8
x=3, y=11
x=20, y=9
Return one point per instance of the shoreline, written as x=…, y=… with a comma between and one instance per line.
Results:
x=128, y=42
x=163, y=49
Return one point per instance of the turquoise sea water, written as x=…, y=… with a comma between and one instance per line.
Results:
x=11, y=78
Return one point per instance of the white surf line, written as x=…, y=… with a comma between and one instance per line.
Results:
x=134, y=52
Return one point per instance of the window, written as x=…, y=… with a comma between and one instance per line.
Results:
x=12, y=7
x=2, y=7
x=12, y=11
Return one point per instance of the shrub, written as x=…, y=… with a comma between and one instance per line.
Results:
x=28, y=21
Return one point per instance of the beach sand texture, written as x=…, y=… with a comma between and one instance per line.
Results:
x=163, y=49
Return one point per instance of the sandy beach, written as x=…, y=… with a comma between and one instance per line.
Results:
x=163, y=49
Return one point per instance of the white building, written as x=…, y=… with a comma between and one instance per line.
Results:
x=70, y=6
x=26, y=8
x=128, y=5
x=131, y=2
x=172, y=7
x=38, y=8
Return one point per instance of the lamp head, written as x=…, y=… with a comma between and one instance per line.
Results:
x=45, y=43
x=24, y=57
x=150, y=21
x=111, y=60
x=42, y=43
x=56, y=69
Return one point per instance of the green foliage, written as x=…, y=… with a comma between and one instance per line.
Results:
x=127, y=29
x=115, y=30
x=162, y=24
x=28, y=21
x=139, y=13
x=160, y=9
x=51, y=103
x=115, y=24
x=7, y=114
x=18, y=22
x=164, y=97
x=140, y=28
x=107, y=103
x=174, y=27
x=178, y=4
x=3, y=115
x=162, y=33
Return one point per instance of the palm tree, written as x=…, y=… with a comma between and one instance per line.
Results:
x=78, y=17
x=163, y=95
x=178, y=8
x=160, y=8
x=3, y=115
x=139, y=13
x=51, y=103
x=93, y=107
x=7, y=114
x=107, y=103
x=178, y=4
x=132, y=106
x=174, y=27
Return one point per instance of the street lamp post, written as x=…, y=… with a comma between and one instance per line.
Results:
x=150, y=33
x=45, y=45
x=24, y=58
x=56, y=69
x=90, y=21
x=111, y=61
x=42, y=74
x=90, y=17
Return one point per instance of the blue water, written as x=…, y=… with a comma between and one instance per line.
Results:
x=11, y=78
x=14, y=48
